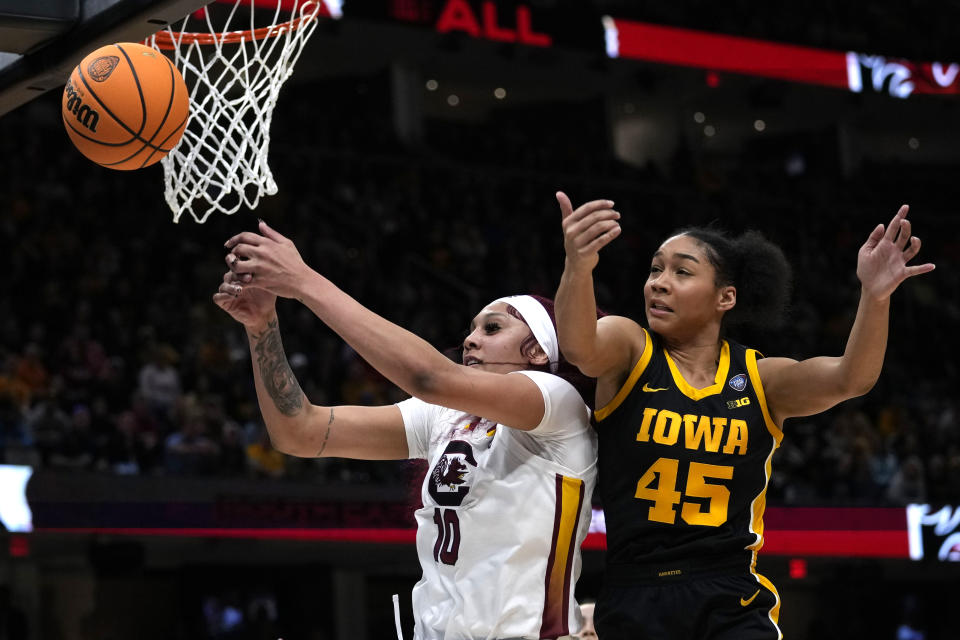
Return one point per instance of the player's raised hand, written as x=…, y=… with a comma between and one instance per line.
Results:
x=269, y=261
x=587, y=229
x=249, y=306
x=882, y=261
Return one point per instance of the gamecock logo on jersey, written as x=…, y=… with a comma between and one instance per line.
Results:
x=450, y=476
x=450, y=472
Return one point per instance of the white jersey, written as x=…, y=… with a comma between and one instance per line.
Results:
x=504, y=513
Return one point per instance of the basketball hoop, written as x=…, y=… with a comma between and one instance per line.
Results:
x=234, y=70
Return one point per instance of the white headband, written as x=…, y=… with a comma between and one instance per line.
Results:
x=540, y=324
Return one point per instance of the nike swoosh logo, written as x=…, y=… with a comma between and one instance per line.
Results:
x=744, y=603
x=649, y=389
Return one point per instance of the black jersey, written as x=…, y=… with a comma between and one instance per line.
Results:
x=684, y=471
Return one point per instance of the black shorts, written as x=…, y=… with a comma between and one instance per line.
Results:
x=714, y=605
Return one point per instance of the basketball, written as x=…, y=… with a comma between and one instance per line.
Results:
x=125, y=106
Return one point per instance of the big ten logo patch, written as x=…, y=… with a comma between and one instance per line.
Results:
x=740, y=402
x=450, y=478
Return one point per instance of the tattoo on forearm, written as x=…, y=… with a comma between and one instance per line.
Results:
x=275, y=371
x=327, y=436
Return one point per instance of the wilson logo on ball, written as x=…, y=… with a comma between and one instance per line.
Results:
x=101, y=68
x=86, y=116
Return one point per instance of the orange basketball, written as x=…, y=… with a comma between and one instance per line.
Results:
x=125, y=106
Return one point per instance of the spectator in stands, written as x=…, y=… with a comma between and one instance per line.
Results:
x=14, y=390
x=883, y=466
x=232, y=456
x=83, y=362
x=263, y=459
x=45, y=424
x=909, y=483
x=159, y=382
x=128, y=451
x=75, y=447
x=15, y=397
x=189, y=450
x=31, y=370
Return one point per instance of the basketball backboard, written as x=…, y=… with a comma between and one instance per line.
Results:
x=41, y=42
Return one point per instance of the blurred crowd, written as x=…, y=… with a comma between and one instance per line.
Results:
x=114, y=359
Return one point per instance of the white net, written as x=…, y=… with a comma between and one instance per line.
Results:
x=234, y=68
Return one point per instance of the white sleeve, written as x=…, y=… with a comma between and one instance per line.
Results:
x=564, y=412
x=418, y=420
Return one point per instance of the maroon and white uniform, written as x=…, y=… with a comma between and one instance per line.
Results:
x=504, y=513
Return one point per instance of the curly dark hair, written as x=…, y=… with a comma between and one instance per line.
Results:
x=756, y=267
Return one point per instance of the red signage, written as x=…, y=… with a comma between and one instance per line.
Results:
x=816, y=531
x=854, y=71
x=797, y=531
x=458, y=15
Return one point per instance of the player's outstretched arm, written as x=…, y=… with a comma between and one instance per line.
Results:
x=811, y=386
x=272, y=262
x=596, y=347
x=296, y=426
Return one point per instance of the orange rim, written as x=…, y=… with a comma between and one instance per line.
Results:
x=169, y=40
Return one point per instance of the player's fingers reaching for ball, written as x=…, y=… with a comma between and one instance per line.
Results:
x=587, y=229
x=250, y=306
x=585, y=237
x=590, y=223
x=904, y=234
x=566, y=208
x=246, y=237
x=608, y=233
x=273, y=265
x=913, y=248
x=911, y=252
x=894, y=227
x=246, y=251
x=229, y=303
x=235, y=264
x=919, y=269
x=237, y=278
x=584, y=211
x=882, y=261
x=875, y=237
x=230, y=288
x=271, y=233
x=589, y=207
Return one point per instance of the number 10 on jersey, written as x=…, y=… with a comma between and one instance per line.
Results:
x=447, y=547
